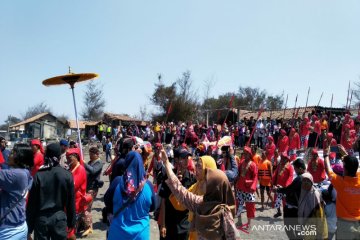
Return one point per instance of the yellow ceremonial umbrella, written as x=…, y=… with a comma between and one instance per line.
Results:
x=71, y=78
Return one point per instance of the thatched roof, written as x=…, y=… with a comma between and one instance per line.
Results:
x=82, y=124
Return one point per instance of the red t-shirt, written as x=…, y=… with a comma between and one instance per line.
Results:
x=38, y=162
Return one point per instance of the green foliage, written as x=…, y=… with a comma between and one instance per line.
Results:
x=94, y=102
x=185, y=105
x=180, y=96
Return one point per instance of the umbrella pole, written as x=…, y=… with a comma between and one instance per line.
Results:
x=77, y=121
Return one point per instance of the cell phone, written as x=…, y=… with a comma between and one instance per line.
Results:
x=334, y=149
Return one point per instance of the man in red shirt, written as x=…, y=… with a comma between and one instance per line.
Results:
x=246, y=186
x=316, y=167
x=329, y=141
x=304, y=129
x=270, y=148
x=317, y=129
x=38, y=155
x=294, y=143
x=282, y=177
x=348, y=138
x=283, y=142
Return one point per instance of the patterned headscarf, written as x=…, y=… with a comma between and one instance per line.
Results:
x=134, y=173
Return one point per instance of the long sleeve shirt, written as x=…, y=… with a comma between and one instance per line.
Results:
x=248, y=177
x=52, y=191
x=283, y=144
x=283, y=175
x=93, y=172
x=192, y=202
x=294, y=142
x=231, y=170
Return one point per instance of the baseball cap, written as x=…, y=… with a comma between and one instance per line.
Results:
x=63, y=142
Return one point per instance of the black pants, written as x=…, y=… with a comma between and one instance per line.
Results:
x=51, y=226
x=290, y=220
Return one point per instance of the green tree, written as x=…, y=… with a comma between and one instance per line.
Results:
x=94, y=102
x=179, y=95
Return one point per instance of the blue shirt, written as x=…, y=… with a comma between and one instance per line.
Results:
x=14, y=183
x=108, y=146
x=133, y=222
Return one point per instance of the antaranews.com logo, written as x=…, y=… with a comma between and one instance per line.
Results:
x=301, y=230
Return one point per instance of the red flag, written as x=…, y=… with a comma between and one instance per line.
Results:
x=169, y=109
x=231, y=101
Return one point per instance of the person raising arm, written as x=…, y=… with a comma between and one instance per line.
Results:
x=348, y=195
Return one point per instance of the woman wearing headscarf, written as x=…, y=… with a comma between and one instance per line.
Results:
x=203, y=163
x=38, y=151
x=310, y=209
x=130, y=197
x=214, y=211
x=73, y=157
x=14, y=185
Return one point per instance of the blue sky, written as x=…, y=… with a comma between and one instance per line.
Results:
x=274, y=45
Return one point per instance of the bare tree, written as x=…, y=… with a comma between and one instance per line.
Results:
x=35, y=110
x=143, y=113
x=62, y=117
x=94, y=102
x=209, y=84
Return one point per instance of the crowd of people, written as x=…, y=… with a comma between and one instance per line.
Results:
x=197, y=180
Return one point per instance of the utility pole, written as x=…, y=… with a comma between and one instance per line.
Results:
x=9, y=117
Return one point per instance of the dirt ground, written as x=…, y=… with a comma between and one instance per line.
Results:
x=262, y=218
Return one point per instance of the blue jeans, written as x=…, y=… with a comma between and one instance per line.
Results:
x=108, y=155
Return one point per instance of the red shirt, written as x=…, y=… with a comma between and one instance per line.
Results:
x=38, y=162
x=317, y=127
x=304, y=129
x=283, y=144
x=79, y=175
x=248, y=176
x=332, y=143
x=294, y=142
x=270, y=150
x=317, y=172
x=283, y=176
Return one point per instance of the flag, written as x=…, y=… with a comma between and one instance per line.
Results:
x=169, y=109
x=231, y=101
